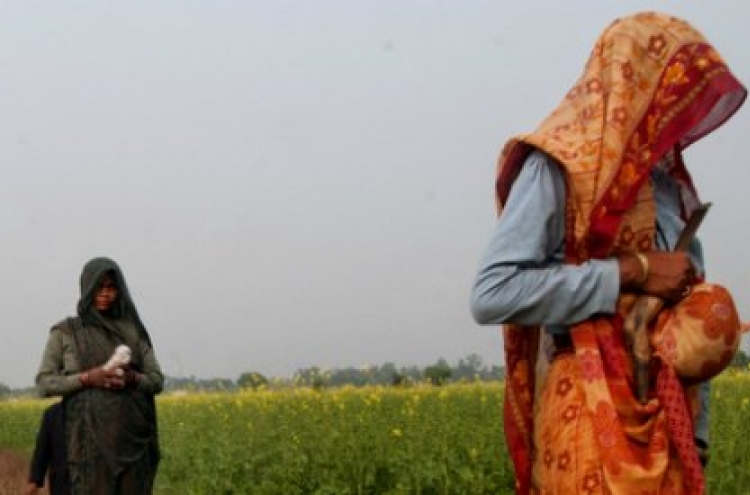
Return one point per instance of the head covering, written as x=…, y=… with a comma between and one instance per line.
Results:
x=91, y=278
x=652, y=85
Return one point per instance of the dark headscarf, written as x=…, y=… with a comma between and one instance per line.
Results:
x=91, y=278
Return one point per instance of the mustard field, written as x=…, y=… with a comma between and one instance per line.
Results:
x=375, y=440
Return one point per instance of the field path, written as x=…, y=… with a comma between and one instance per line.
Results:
x=13, y=473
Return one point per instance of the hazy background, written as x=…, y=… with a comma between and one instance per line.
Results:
x=295, y=183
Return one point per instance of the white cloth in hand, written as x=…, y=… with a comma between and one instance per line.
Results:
x=119, y=359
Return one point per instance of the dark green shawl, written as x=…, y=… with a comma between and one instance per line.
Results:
x=108, y=431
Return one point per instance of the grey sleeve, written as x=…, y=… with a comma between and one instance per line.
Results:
x=153, y=379
x=521, y=277
x=52, y=378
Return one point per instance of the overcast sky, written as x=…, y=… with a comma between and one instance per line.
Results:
x=295, y=183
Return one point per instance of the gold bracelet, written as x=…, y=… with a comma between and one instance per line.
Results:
x=643, y=261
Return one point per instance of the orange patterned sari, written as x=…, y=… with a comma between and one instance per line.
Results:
x=652, y=86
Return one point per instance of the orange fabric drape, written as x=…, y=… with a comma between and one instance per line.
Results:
x=652, y=86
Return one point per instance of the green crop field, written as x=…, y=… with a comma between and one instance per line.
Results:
x=414, y=440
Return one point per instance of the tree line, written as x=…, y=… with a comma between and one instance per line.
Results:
x=388, y=374
x=470, y=368
x=467, y=369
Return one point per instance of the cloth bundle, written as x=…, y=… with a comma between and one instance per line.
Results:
x=119, y=359
x=700, y=335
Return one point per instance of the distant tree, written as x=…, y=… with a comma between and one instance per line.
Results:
x=412, y=373
x=5, y=390
x=172, y=383
x=252, y=380
x=347, y=376
x=312, y=377
x=216, y=384
x=741, y=360
x=438, y=373
x=398, y=379
x=470, y=368
x=497, y=372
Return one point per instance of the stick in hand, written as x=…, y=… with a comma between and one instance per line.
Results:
x=647, y=307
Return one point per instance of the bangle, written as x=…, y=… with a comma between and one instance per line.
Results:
x=643, y=261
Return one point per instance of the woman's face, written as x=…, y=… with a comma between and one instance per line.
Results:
x=106, y=294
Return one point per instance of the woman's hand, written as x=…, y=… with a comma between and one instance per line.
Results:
x=102, y=378
x=670, y=275
x=664, y=274
x=132, y=377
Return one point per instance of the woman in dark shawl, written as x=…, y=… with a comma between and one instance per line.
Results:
x=110, y=414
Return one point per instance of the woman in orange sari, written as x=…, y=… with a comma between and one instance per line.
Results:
x=591, y=204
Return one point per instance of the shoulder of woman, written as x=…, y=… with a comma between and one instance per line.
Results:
x=65, y=326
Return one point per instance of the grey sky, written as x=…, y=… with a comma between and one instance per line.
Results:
x=295, y=183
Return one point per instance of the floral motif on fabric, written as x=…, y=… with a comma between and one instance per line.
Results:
x=549, y=458
x=563, y=461
x=657, y=45
x=716, y=319
x=591, y=366
x=606, y=425
x=564, y=386
x=591, y=483
x=570, y=414
x=645, y=243
x=627, y=71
